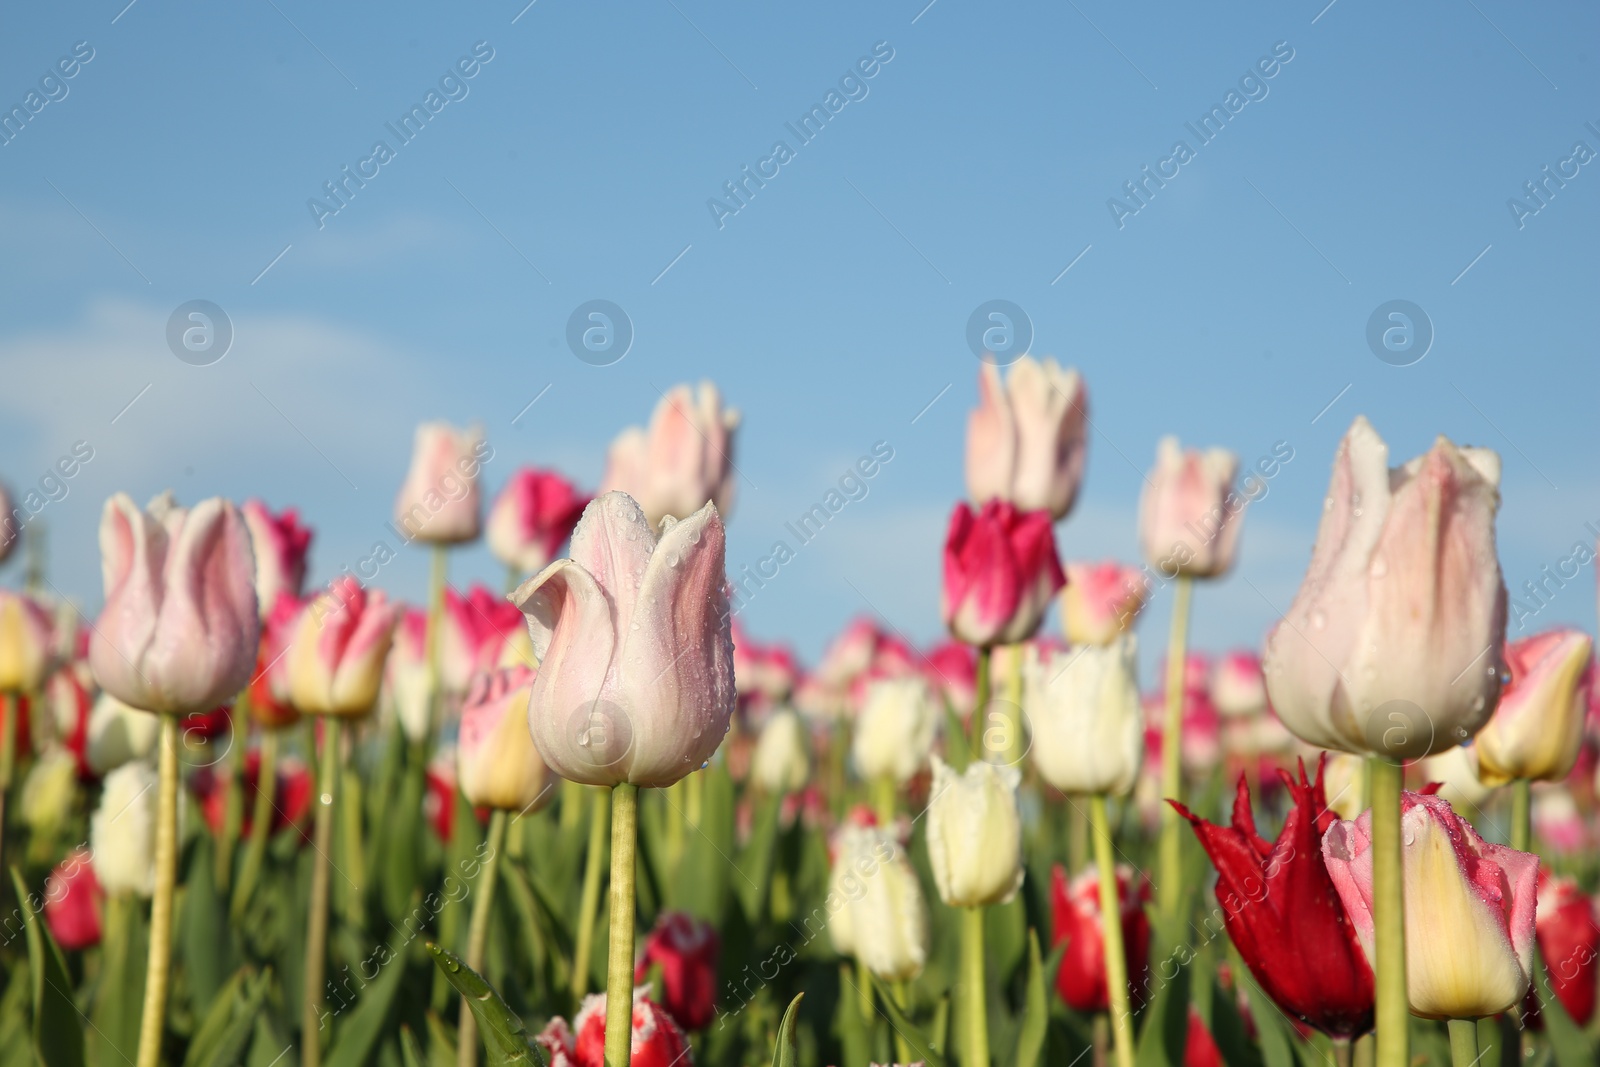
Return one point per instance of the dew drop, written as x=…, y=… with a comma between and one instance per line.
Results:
x=1319, y=621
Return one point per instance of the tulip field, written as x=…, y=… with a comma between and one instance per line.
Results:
x=587, y=819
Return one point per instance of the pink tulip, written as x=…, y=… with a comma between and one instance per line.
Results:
x=1393, y=645
x=636, y=659
x=1238, y=688
x=1537, y=728
x=337, y=653
x=270, y=703
x=1469, y=908
x=74, y=903
x=764, y=674
x=179, y=629
x=532, y=517
x=496, y=763
x=682, y=461
x=26, y=643
x=281, y=545
x=1027, y=440
x=1000, y=571
x=440, y=501
x=1189, y=512
x=474, y=635
x=851, y=652
x=1101, y=601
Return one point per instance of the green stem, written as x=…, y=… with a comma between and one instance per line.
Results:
x=864, y=994
x=980, y=700
x=1111, y=934
x=8, y=754
x=1077, y=836
x=151, y=1026
x=1389, y=914
x=902, y=1000
x=589, y=902
x=884, y=795
x=1464, y=1042
x=1521, y=814
x=478, y=936
x=354, y=873
x=619, y=965
x=317, y=925
x=1364, y=1052
x=973, y=992
x=1341, y=1051
x=1171, y=846
x=260, y=823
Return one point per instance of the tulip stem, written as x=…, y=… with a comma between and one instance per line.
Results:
x=1464, y=1042
x=317, y=925
x=883, y=800
x=152, y=1024
x=1521, y=814
x=1111, y=934
x=980, y=700
x=260, y=823
x=478, y=935
x=1171, y=854
x=8, y=752
x=1341, y=1051
x=589, y=901
x=1389, y=914
x=976, y=1030
x=902, y=1000
x=619, y=966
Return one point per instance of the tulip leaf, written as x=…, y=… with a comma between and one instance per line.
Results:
x=504, y=1036
x=1229, y=1031
x=786, y=1051
x=1272, y=1033
x=957, y=749
x=203, y=929
x=410, y=1052
x=921, y=1047
x=119, y=993
x=358, y=1035
x=851, y=1027
x=1165, y=1035
x=1036, y=1010
x=755, y=865
x=226, y=1030
x=57, y=1023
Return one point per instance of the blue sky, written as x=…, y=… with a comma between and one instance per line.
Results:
x=977, y=163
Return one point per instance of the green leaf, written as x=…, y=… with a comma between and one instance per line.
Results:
x=1036, y=1009
x=756, y=862
x=505, y=1038
x=57, y=1024
x=225, y=1032
x=922, y=1047
x=957, y=750
x=1229, y=1031
x=1271, y=1032
x=358, y=1035
x=1165, y=1036
x=786, y=1051
x=203, y=928
x=410, y=1051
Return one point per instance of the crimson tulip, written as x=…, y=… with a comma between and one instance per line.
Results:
x=1000, y=572
x=74, y=903
x=1076, y=906
x=656, y=1040
x=687, y=950
x=1568, y=931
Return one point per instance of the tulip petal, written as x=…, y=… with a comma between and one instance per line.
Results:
x=132, y=547
x=991, y=439
x=613, y=543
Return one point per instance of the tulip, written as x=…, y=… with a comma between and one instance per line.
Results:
x=636, y=666
x=1558, y=822
x=1284, y=914
x=281, y=545
x=1200, y=1048
x=952, y=669
x=1402, y=602
x=1456, y=771
x=682, y=461
x=439, y=801
x=763, y=674
x=74, y=903
x=291, y=794
x=896, y=729
x=1189, y=512
x=1100, y=601
x=850, y=653
x=1027, y=440
x=70, y=705
x=1537, y=728
x=531, y=518
x=654, y=1039
x=557, y=1043
x=49, y=790
x=1568, y=931
x=882, y=920
x=122, y=831
x=1083, y=707
x=179, y=629
x=686, y=949
x=781, y=763
x=440, y=501
x=1342, y=783
x=406, y=693
x=496, y=763
x=270, y=701
x=1000, y=571
x=1469, y=908
x=1238, y=688
x=975, y=834
x=26, y=644
x=336, y=655
x=1081, y=981
x=475, y=632
x=118, y=734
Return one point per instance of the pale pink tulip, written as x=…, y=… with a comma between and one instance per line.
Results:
x=1238, y=688
x=636, y=660
x=407, y=693
x=26, y=643
x=440, y=501
x=179, y=630
x=1393, y=646
x=1101, y=601
x=684, y=458
x=1027, y=440
x=496, y=762
x=337, y=653
x=1537, y=728
x=532, y=517
x=1189, y=511
x=281, y=545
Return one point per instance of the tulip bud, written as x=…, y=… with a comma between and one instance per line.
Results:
x=1100, y=601
x=532, y=517
x=558, y=1044
x=407, y=694
x=1393, y=644
x=269, y=703
x=119, y=734
x=1344, y=782
x=48, y=791
x=496, y=763
x=1083, y=708
x=337, y=652
x=1568, y=931
x=74, y=903
x=1075, y=907
x=782, y=761
x=1199, y=1047
x=67, y=694
x=975, y=834
x=1027, y=440
x=122, y=830
x=280, y=544
x=179, y=630
x=1456, y=771
x=1469, y=908
x=474, y=632
x=636, y=662
x=440, y=501
x=686, y=949
x=25, y=643
x=1537, y=728
x=1189, y=512
x=895, y=731
x=655, y=1041
x=1238, y=688
x=684, y=459
x=1000, y=571
x=881, y=919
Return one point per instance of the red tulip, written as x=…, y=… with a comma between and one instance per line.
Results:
x=557, y=1043
x=1082, y=978
x=291, y=798
x=281, y=545
x=1000, y=572
x=74, y=903
x=1285, y=915
x=687, y=950
x=439, y=801
x=656, y=1042
x=1200, y=1048
x=1568, y=931
x=531, y=518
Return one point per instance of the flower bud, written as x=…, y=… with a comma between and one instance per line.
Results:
x=280, y=544
x=782, y=760
x=74, y=903
x=496, y=763
x=337, y=652
x=655, y=1041
x=49, y=790
x=1456, y=771
x=876, y=910
x=122, y=830
x=1075, y=907
x=895, y=731
x=1083, y=708
x=683, y=461
x=532, y=517
x=118, y=734
x=25, y=644
x=1238, y=688
x=686, y=949
x=1537, y=728
x=1189, y=512
x=1027, y=440
x=1000, y=572
x=1100, y=601
x=440, y=501
x=975, y=834
x=406, y=692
